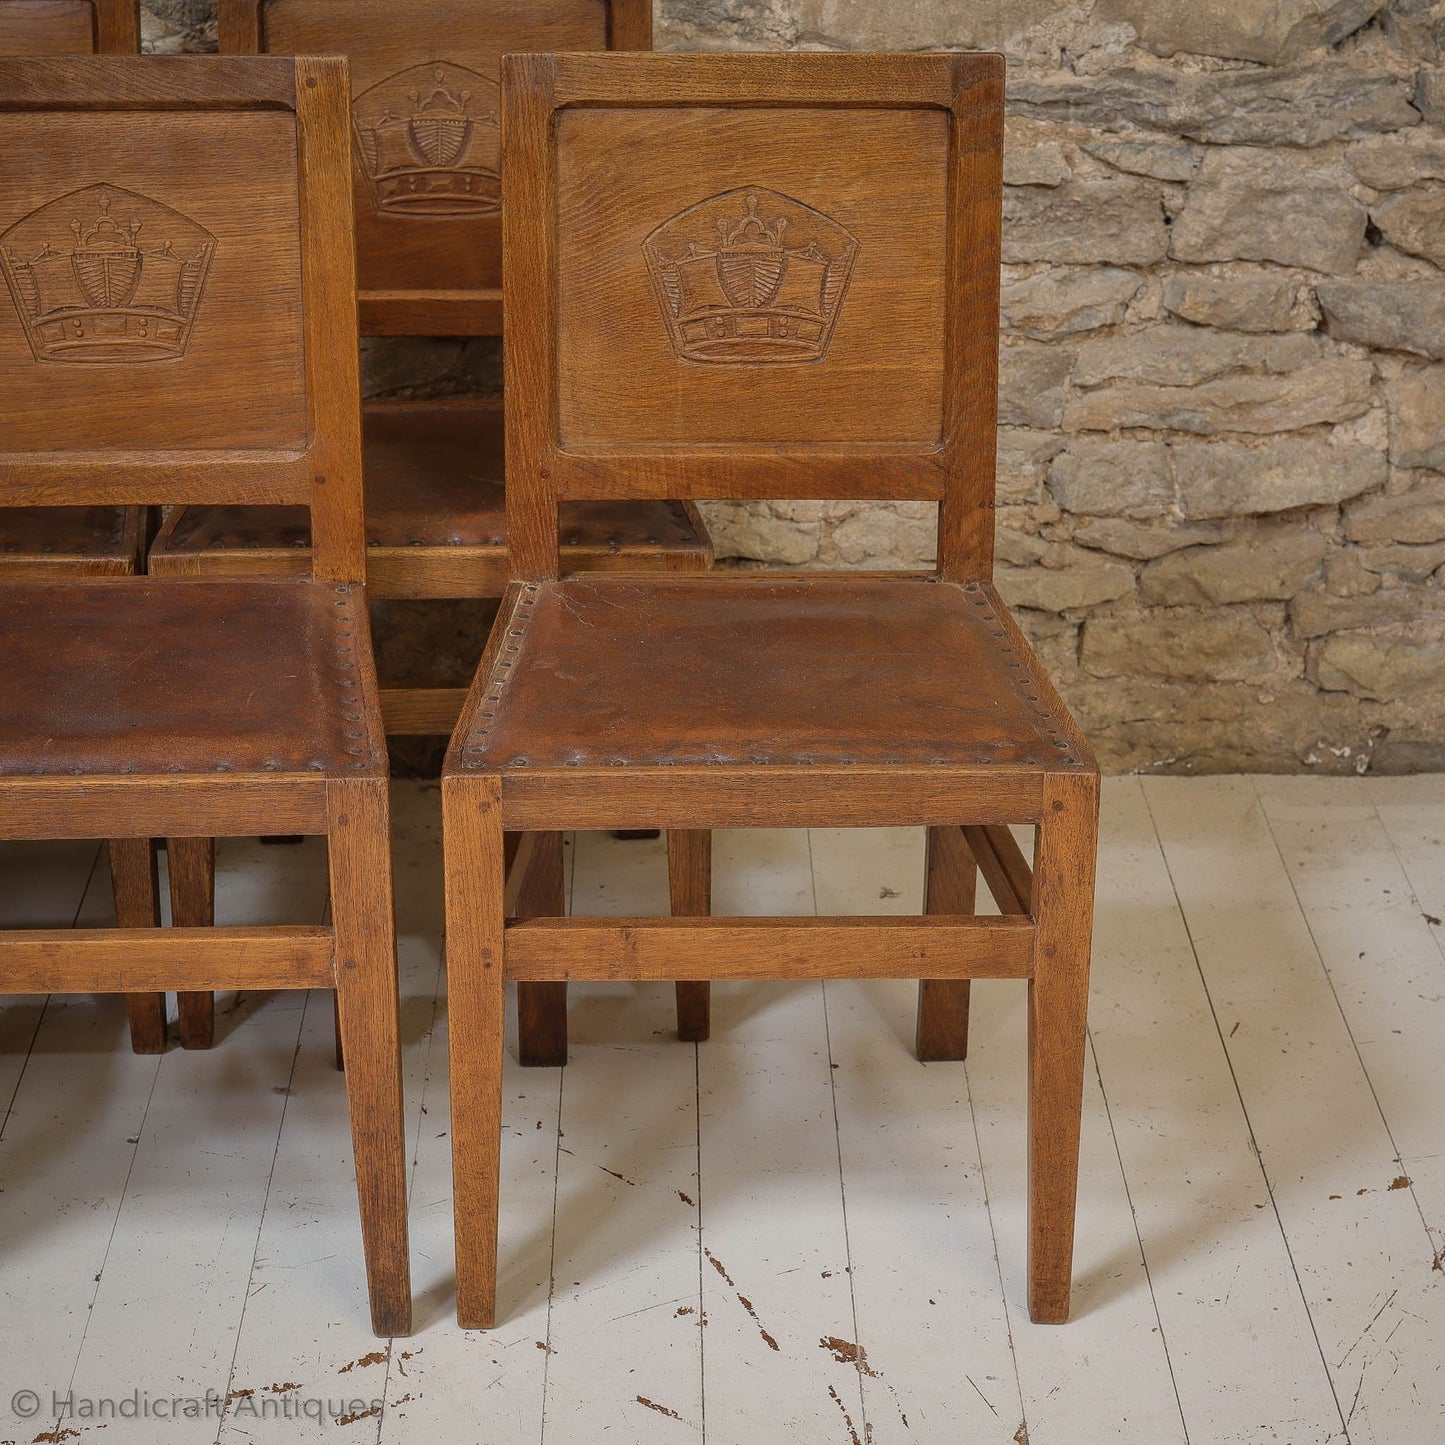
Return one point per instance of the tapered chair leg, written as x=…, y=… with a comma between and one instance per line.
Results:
x=689, y=882
x=472, y=848
x=136, y=883
x=364, y=927
x=193, y=905
x=1063, y=906
x=950, y=887
x=542, y=1007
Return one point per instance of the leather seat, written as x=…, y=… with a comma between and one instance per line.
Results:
x=832, y=671
x=433, y=486
x=69, y=542
x=144, y=677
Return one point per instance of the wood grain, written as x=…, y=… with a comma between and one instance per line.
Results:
x=192, y=868
x=364, y=929
x=472, y=853
x=689, y=881
x=732, y=948
x=132, y=958
x=135, y=882
x=1063, y=903
x=950, y=887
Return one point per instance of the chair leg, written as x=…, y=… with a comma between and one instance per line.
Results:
x=951, y=887
x=542, y=1007
x=689, y=881
x=136, y=883
x=193, y=905
x=340, y=1051
x=364, y=926
x=1063, y=907
x=472, y=850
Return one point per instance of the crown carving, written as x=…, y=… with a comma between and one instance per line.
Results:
x=429, y=143
x=106, y=275
x=750, y=276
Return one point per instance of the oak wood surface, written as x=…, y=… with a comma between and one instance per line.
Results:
x=689, y=884
x=476, y=1010
x=1003, y=865
x=192, y=870
x=733, y=948
x=132, y=957
x=1063, y=906
x=950, y=888
x=69, y=27
x=135, y=884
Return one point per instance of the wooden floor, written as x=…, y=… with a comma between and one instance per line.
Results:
x=795, y=1232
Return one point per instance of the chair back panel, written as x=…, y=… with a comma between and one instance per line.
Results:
x=153, y=263
x=744, y=283
x=177, y=321
x=769, y=276
x=426, y=131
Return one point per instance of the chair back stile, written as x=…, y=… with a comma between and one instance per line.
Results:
x=745, y=299
x=178, y=280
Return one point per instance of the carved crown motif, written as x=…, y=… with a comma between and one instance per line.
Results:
x=429, y=143
x=750, y=276
x=103, y=274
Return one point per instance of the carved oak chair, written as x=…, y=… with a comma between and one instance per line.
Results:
x=795, y=258
x=178, y=325
x=426, y=146
x=42, y=542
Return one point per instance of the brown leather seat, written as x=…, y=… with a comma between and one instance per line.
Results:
x=827, y=671
x=435, y=516
x=178, y=677
x=69, y=541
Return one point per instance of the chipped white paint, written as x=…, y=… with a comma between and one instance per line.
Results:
x=1221, y=1295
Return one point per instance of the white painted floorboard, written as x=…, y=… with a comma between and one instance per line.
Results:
x=793, y=1232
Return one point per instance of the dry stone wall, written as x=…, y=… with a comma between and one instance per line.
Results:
x=1222, y=442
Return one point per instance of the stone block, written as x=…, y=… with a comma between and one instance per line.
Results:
x=1229, y=644
x=1250, y=205
x=1232, y=478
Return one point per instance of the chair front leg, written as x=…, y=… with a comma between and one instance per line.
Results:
x=1063, y=908
x=473, y=849
x=193, y=905
x=689, y=881
x=950, y=887
x=135, y=881
x=542, y=1007
x=364, y=928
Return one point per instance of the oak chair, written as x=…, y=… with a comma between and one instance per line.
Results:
x=795, y=258
x=43, y=542
x=178, y=325
x=426, y=154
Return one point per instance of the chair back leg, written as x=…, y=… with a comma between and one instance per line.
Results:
x=136, y=882
x=689, y=881
x=950, y=887
x=542, y=1007
x=193, y=905
x=473, y=850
